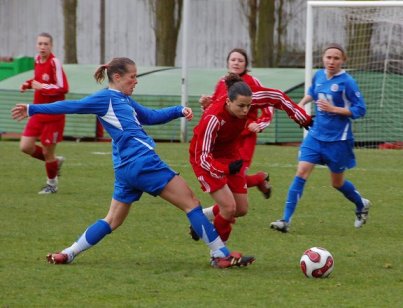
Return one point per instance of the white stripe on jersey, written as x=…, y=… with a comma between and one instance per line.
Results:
x=111, y=118
x=279, y=97
x=206, y=146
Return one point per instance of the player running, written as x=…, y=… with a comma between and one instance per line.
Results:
x=337, y=100
x=50, y=85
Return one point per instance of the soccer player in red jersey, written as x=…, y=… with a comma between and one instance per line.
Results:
x=264, y=100
x=50, y=84
x=215, y=157
x=215, y=149
x=237, y=63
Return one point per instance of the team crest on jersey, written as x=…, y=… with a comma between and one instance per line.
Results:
x=222, y=122
x=45, y=77
x=334, y=87
x=358, y=94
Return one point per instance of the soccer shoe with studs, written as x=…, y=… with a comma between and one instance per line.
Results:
x=234, y=259
x=361, y=217
x=48, y=189
x=265, y=187
x=60, y=161
x=280, y=225
x=58, y=258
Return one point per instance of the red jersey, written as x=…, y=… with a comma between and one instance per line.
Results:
x=220, y=94
x=215, y=140
x=279, y=100
x=54, y=84
x=263, y=99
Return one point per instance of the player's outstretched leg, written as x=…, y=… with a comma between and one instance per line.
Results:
x=89, y=238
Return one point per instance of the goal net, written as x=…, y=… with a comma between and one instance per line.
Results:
x=372, y=33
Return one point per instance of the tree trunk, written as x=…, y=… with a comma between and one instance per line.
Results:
x=168, y=15
x=70, y=31
x=280, y=33
x=261, y=24
x=250, y=9
x=102, y=32
x=265, y=34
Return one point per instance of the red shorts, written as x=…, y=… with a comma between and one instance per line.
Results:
x=236, y=182
x=49, y=132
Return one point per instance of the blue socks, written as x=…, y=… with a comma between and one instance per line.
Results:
x=206, y=231
x=90, y=237
x=294, y=194
x=202, y=226
x=349, y=191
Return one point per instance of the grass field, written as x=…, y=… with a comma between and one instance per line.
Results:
x=151, y=261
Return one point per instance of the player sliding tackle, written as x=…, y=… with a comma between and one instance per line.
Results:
x=137, y=167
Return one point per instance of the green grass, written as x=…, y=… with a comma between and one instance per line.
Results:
x=151, y=261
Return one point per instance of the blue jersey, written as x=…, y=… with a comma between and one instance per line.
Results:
x=342, y=91
x=122, y=118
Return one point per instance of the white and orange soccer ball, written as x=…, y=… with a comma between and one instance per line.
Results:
x=317, y=262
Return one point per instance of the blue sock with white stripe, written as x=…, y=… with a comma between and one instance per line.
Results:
x=294, y=194
x=206, y=231
x=349, y=191
x=89, y=238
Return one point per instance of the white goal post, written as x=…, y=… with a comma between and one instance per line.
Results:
x=372, y=33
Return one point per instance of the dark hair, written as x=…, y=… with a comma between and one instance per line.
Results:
x=236, y=86
x=242, y=52
x=45, y=34
x=336, y=46
x=116, y=65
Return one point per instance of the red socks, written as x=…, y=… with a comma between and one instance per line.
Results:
x=255, y=179
x=51, y=169
x=38, y=154
x=223, y=227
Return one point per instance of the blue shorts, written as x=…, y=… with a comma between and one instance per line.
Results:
x=337, y=155
x=144, y=174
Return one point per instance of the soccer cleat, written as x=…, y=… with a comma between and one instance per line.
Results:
x=234, y=259
x=193, y=234
x=60, y=161
x=361, y=217
x=280, y=225
x=265, y=187
x=58, y=258
x=48, y=189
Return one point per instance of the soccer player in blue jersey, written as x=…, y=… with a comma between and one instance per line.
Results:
x=137, y=167
x=337, y=101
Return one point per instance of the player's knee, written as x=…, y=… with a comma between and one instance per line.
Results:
x=27, y=149
x=241, y=212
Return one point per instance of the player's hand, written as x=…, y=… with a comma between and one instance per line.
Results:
x=308, y=124
x=187, y=113
x=24, y=87
x=254, y=127
x=19, y=112
x=235, y=166
x=324, y=105
x=205, y=101
x=36, y=85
